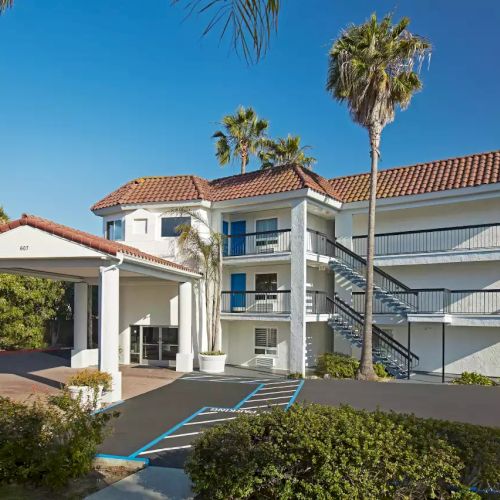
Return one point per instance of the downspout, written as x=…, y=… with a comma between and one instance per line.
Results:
x=116, y=265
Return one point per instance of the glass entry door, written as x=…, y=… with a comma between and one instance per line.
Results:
x=154, y=345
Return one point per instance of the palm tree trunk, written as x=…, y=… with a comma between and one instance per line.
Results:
x=366, y=371
x=244, y=158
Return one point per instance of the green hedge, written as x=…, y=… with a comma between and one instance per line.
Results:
x=48, y=443
x=339, y=365
x=322, y=452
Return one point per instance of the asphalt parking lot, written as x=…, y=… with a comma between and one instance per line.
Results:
x=160, y=425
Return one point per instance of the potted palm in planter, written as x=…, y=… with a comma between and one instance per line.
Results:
x=204, y=250
x=88, y=386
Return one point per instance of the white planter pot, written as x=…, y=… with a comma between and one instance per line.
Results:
x=88, y=396
x=212, y=364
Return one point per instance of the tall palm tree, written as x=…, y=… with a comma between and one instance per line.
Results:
x=249, y=23
x=3, y=216
x=285, y=151
x=374, y=67
x=243, y=135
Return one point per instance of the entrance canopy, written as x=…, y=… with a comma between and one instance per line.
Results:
x=38, y=247
x=33, y=246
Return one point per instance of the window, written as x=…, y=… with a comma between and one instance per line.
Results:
x=265, y=237
x=266, y=283
x=266, y=341
x=169, y=225
x=114, y=230
x=140, y=226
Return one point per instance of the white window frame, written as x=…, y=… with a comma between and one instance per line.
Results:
x=141, y=220
x=173, y=217
x=114, y=221
x=269, y=351
x=266, y=242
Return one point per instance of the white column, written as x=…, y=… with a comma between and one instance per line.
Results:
x=109, y=309
x=298, y=293
x=79, y=358
x=184, y=358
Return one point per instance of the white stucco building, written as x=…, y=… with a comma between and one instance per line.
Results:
x=293, y=268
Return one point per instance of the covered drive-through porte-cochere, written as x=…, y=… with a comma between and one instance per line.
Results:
x=135, y=288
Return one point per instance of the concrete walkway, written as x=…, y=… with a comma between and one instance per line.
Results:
x=151, y=483
x=38, y=373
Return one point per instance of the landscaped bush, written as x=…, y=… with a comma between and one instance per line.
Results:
x=342, y=366
x=91, y=378
x=48, y=443
x=473, y=378
x=326, y=452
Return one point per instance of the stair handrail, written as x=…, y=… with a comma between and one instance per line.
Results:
x=384, y=336
x=376, y=269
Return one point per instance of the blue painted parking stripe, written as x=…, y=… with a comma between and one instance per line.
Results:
x=244, y=400
x=296, y=393
x=167, y=433
x=112, y=405
x=120, y=457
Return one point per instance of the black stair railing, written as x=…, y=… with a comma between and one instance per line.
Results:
x=386, y=349
x=358, y=264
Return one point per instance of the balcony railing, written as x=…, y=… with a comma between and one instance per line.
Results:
x=277, y=302
x=264, y=242
x=319, y=243
x=317, y=302
x=444, y=239
x=439, y=301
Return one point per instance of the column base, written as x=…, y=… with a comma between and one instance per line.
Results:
x=115, y=393
x=184, y=362
x=83, y=358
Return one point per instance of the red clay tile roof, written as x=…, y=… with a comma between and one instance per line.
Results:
x=190, y=188
x=269, y=181
x=154, y=189
x=441, y=175
x=454, y=173
x=86, y=239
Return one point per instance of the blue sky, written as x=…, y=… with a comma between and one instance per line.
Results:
x=94, y=93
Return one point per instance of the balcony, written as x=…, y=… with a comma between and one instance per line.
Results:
x=262, y=243
x=439, y=301
x=258, y=303
x=445, y=239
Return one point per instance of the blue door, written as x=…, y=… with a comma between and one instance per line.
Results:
x=238, y=288
x=238, y=229
x=225, y=243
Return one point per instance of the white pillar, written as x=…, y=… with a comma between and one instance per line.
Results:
x=298, y=290
x=79, y=358
x=109, y=308
x=184, y=358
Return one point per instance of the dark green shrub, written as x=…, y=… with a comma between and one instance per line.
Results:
x=473, y=378
x=322, y=452
x=478, y=447
x=48, y=443
x=295, y=376
x=339, y=365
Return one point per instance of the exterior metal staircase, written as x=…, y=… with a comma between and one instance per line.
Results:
x=388, y=290
x=347, y=322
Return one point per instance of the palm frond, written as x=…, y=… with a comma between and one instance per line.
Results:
x=5, y=4
x=242, y=135
x=285, y=151
x=375, y=68
x=249, y=23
